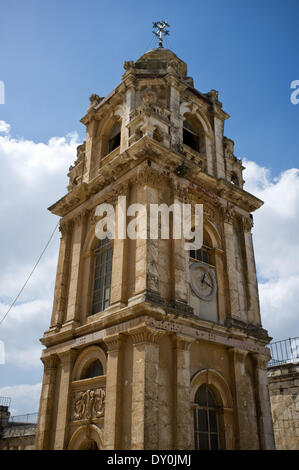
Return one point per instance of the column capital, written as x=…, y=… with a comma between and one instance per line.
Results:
x=145, y=334
x=67, y=356
x=228, y=213
x=113, y=342
x=261, y=360
x=182, y=342
x=239, y=353
x=50, y=362
x=65, y=227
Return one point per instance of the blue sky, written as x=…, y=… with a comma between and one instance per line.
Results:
x=54, y=54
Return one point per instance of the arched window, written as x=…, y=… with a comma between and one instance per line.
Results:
x=206, y=427
x=102, y=276
x=114, y=137
x=95, y=369
x=206, y=253
x=191, y=136
x=201, y=255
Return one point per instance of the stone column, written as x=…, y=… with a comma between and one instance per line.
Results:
x=183, y=414
x=147, y=252
x=237, y=361
x=113, y=393
x=128, y=108
x=180, y=259
x=60, y=293
x=265, y=423
x=89, y=149
x=120, y=256
x=209, y=154
x=219, y=255
x=43, y=435
x=254, y=307
x=74, y=295
x=218, y=127
x=67, y=360
x=231, y=266
x=145, y=388
x=176, y=128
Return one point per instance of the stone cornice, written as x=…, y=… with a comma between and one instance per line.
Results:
x=154, y=316
x=238, y=196
x=116, y=166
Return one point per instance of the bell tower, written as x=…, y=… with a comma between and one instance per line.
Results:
x=151, y=346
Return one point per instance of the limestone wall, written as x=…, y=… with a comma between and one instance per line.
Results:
x=284, y=397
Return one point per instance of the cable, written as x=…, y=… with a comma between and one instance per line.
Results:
x=24, y=285
x=149, y=44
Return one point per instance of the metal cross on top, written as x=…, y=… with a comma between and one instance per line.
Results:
x=159, y=30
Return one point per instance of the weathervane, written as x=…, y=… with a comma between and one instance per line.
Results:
x=160, y=27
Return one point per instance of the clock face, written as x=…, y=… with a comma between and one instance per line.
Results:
x=203, y=281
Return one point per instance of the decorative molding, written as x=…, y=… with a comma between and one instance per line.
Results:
x=65, y=228
x=182, y=343
x=247, y=223
x=143, y=334
x=50, y=362
x=89, y=404
x=261, y=361
x=148, y=176
x=228, y=213
x=182, y=193
x=113, y=342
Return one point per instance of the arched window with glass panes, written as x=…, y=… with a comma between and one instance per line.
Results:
x=102, y=276
x=95, y=369
x=206, y=422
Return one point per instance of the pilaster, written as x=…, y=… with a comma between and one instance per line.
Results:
x=44, y=428
x=74, y=293
x=113, y=393
x=231, y=265
x=67, y=360
x=237, y=361
x=183, y=418
x=254, y=307
x=61, y=283
x=145, y=388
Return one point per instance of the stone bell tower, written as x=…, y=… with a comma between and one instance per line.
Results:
x=151, y=346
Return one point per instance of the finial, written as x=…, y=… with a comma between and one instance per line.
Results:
x=160, y=27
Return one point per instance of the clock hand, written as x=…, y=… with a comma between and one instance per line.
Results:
x=203, y=278
x=208, y=284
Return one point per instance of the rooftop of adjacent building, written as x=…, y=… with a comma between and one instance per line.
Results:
x=284, y=352
x=8, y=421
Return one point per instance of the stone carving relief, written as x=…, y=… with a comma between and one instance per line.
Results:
x=89, y=404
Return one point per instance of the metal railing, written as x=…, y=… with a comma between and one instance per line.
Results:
x=5, y=401
x=29, y=418
x=284, y=352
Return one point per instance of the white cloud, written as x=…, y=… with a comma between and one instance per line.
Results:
x=33, y=177
x=24, y=398
x=4, y=127
x=276, y=245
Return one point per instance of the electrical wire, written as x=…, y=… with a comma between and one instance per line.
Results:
x=26, y=282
